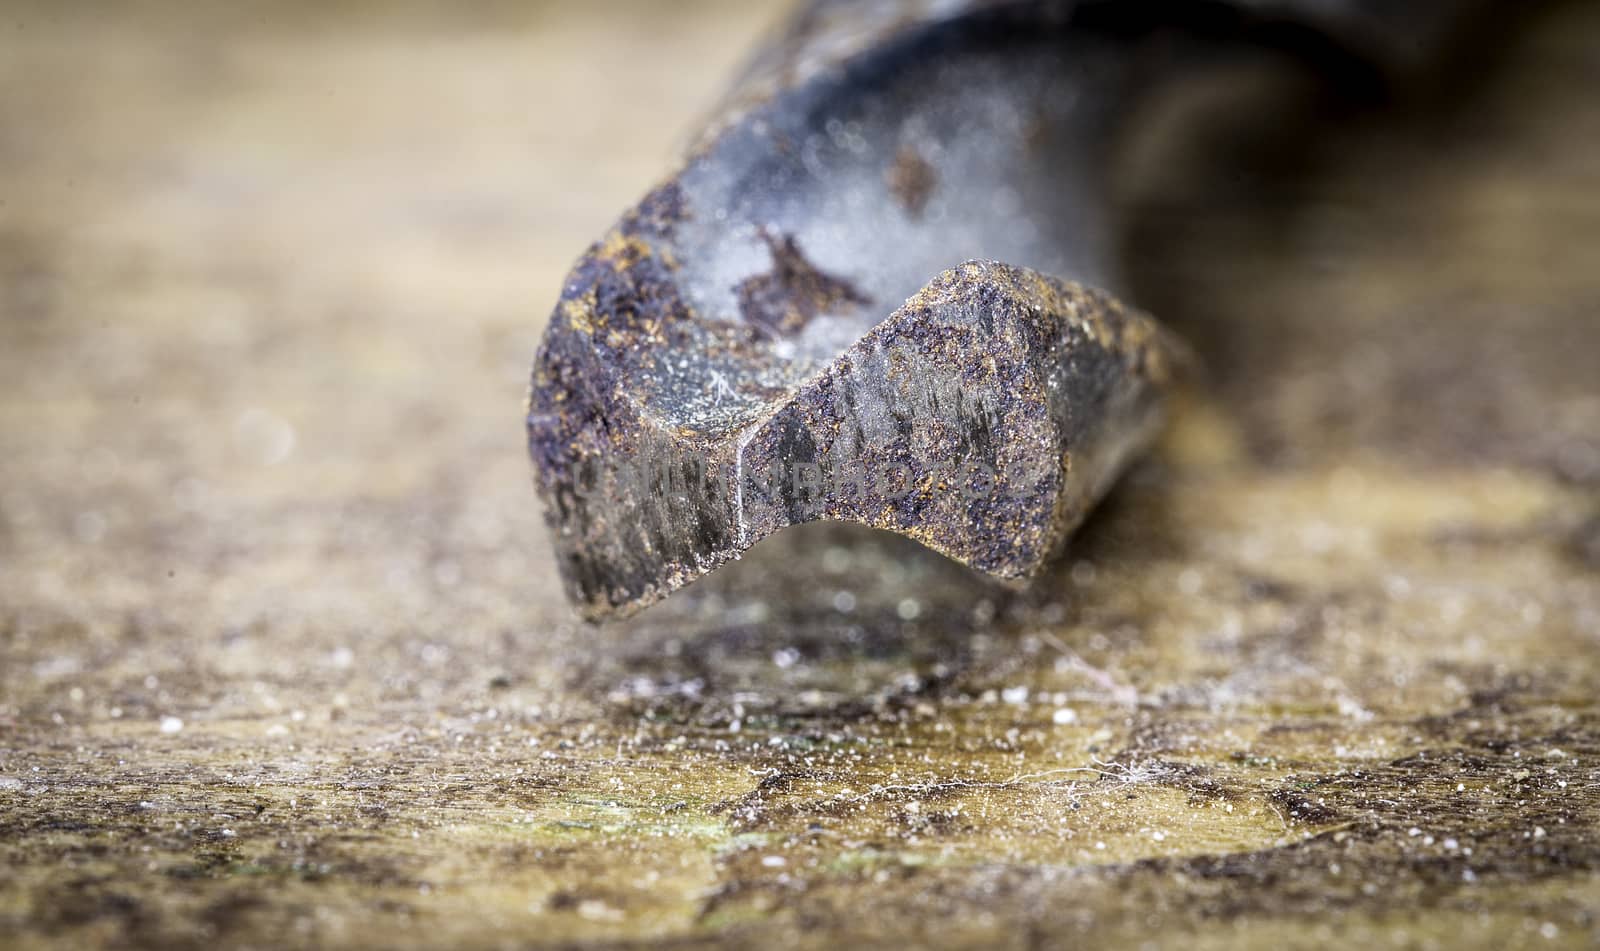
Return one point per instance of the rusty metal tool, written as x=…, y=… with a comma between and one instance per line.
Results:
x=785, y=331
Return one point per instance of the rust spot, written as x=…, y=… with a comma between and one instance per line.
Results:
x=911, y=178
x=793, y=293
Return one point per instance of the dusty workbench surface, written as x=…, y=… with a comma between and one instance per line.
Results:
x=282, y=655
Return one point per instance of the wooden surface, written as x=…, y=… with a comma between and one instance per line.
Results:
x=282, y=657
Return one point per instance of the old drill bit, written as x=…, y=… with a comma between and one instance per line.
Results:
x=781, y=332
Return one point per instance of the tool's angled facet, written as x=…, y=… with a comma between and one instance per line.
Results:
x=782, y=331
x=982, y=418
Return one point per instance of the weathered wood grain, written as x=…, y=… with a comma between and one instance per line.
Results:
x=283, y=660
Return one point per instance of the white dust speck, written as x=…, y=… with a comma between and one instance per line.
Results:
x=171, y=724
x=1397, y=587
x=1018, y=694
x=263, y=437
x=909, y=609
x=593, y=909
x=774, y=861
x=1064, y=716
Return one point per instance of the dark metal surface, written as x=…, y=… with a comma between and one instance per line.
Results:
x=722, y=358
